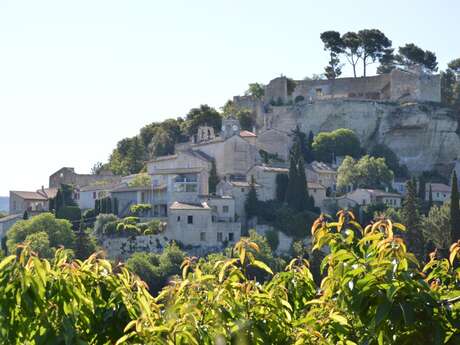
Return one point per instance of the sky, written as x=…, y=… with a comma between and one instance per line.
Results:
x=78, y=76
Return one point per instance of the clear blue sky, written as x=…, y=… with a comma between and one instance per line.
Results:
x=77, y=76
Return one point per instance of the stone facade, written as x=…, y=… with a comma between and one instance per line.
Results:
x=408, y=85
x=68, y=175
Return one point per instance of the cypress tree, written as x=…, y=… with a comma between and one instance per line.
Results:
x=430, y=199
x=411, y=219
x=115, y=206
x=252, y=202
x=454, y=210
x=213, y=179
x=282, y=181
x=297, y=192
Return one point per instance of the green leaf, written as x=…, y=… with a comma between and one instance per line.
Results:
x=262, y=266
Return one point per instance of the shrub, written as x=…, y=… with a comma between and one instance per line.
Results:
x=71, y=213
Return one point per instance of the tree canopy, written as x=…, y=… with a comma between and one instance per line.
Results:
x=327, y=146
x=367, y=172
x=53, y=233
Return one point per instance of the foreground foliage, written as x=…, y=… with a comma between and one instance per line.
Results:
x=373, y=292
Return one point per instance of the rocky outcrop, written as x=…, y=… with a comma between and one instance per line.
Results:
x=423, y=135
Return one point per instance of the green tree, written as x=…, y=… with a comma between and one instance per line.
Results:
x=296, y=192
x=135, y=157
x=436, y=226
x=387, y=62
x=246, y=119
x=101, y=221
x=334, y=45
x=141, y=180
x=391, y=160
x=204, y=115
x=213, y=178
x=251, y=204
x=282, y=181
x=410, y=216
x=59, y=231
x=256, y=90
x=374, y=45
x=454, y=209
x=367, y=172
x=97, y=168
x=410, y=54
x=352, y=49
x=341, y=142
x=85, y=244
x=156, y=269
x=40, y=244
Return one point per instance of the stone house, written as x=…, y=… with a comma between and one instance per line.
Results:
x=32, y=202
x=323, y=174
x=365, y=197
x=185, y=175
x=194, y=225
x=265, y=177
x=440, y=192
x=67, y=175
x=86, y=196
x=238, y=190
x=153, y=195
x=233, y=150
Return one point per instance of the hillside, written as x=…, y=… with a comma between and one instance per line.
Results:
x=423, y=135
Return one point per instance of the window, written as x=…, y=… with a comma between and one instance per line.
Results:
x=219, y=237
x=189, y=219
x=178, y=219
x=94, y=195
x=225, y=209
x=231, y=237
x=242, y=190
x=202, y=236
x=437, y=194
x=319, y=92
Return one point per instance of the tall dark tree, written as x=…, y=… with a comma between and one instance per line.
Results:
x=297, y=192
x=252, y=201
x=135, y=156
x=448, y=83
x=430, y=198
x=410, y=215
x=334, y=45
x=84, y=244
x=213, y=179
x=374, y=44
x=454, y=209
x=282, y=181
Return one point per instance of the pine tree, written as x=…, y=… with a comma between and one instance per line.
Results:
x=454, y=209
x=25, y=216
x=213, y=179
x=410, y=215
x=252, y=202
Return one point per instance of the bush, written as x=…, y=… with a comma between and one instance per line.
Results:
x=272, y=239
x=59, y=231
x=101, y=221
x=71, y=213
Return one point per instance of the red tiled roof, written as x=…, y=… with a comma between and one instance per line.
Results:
x=247, y=134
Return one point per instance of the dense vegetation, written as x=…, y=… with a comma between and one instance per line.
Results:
x=372, y=291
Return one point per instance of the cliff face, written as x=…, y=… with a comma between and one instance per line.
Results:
x=422, y=135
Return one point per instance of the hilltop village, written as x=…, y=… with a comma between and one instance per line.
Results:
x=200, y=195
